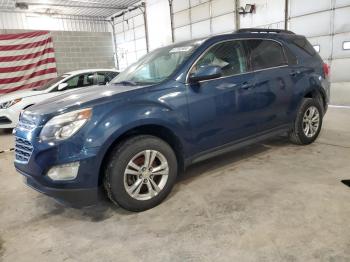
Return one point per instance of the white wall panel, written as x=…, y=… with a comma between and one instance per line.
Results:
x=182, y=33
x=312, y=25
x=301, y=7
x=338, y=51
x=220, y=7
x=267, y=13
x=200, y=12
x=182, y=18
x=223, y=24
x=179, y=5
x=340, y=3
x=325, y=43
x=197, y=2
x=201, y=29
x=340, y=70
x=342, y=20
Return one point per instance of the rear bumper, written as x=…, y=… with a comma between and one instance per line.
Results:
x=73, y=197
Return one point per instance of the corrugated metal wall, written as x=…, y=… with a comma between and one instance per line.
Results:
x=27, y=21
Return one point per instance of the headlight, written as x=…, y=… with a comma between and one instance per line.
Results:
x=7, y=104
x=66, y=125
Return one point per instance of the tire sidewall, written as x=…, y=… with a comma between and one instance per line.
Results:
x=307, y=103
x=119, y=162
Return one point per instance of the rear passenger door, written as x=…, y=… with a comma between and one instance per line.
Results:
x=273, y=87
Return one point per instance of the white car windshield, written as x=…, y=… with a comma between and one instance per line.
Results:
x=50, y=83
x=157, y=65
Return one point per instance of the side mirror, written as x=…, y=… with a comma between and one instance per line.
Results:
x=62, y=86
x=206, y=73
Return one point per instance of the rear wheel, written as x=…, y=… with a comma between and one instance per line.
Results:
x=308, y=122
x=140, y=173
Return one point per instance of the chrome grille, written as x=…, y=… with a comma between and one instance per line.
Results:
x=25, y=124
x=23, y=150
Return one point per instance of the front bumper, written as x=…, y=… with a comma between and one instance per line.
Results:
x=76, y=197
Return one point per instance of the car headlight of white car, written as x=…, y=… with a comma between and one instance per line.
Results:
x=10, y=103
x=66, y=125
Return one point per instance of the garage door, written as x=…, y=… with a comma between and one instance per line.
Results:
x=200, y=18
x=130, y=37
x=325, y=23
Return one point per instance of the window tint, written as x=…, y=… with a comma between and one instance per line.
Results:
x=304, y=45
x=292, y=59
x=265, y=54
x=229, y=56
x=80, y=81
x=102, y=78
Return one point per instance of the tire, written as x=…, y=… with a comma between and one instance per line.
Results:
x=128, y=177
x=298, y=134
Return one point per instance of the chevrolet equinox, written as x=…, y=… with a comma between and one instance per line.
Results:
x=177, y=105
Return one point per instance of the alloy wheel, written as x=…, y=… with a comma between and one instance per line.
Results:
x=146, y=175
x=311, y=121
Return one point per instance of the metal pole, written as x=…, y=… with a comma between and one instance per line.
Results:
x=237, y=5
x=143, y=4
x=171, y=19
x=286, y=14
x=114, y=43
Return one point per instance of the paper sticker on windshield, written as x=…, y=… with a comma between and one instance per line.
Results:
x=181, y=49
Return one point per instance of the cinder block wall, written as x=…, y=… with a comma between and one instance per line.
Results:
x=79, y=50
x=82, y=50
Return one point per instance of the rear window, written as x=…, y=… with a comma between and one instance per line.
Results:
x=304, y=45
x=265, y=54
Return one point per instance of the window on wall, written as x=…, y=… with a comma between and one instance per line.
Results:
x=346, y=45
x=265, y=54
x=317, y=48
x=229, y=56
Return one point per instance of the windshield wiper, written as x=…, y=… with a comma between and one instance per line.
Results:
x=130, y=83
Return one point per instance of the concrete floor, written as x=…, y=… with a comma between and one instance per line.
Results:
x=270, y=202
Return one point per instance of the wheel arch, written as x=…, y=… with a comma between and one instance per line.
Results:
x=157, y=130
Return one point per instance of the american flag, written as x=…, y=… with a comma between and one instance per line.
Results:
x=27, y=60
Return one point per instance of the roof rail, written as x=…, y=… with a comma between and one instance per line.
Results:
x=263, y=30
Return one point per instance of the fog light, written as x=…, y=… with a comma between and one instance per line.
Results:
x=64, y=172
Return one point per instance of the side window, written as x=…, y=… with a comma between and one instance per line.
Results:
x=304, y=45
x=292, y=59
x=102, y=78
x=80, y=81
x=265, y=54
x=230, y=56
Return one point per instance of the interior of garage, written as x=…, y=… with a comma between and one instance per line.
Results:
x=272, y=201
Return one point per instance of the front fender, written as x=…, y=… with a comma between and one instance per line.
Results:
x=107, y=127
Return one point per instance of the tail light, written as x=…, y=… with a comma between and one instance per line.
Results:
x=326, y=70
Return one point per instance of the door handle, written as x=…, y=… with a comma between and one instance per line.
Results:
x=246, y=85
x=295, y=73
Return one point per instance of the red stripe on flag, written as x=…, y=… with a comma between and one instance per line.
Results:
x=25, y=77
x=25, y=46
x=25, y=57
x=26, y=67
x=27, y=86
x=23, y=35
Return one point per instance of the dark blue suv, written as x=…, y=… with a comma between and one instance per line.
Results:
x=177, y=105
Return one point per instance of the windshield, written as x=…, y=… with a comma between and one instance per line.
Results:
x=156, y=66
x=50, y=83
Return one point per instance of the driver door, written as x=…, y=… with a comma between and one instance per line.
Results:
x=222, y=109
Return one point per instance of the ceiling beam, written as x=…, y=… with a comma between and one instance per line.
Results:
x=76, y=5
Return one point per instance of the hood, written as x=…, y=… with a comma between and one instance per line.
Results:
x=20, y=94
x=85, y=97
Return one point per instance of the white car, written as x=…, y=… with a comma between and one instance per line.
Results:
x=12, y=104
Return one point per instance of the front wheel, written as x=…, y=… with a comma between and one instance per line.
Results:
x=140, y=173
x=308, y=122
